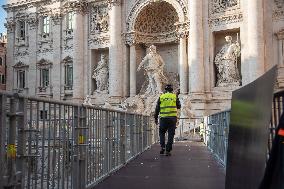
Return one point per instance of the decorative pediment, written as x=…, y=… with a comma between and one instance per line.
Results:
x=67, y=60
x=20, y=65
x=43, y=63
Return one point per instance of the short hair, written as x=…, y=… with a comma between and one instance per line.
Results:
x=169, y=87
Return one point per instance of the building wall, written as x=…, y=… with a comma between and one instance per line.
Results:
x=82, y=46
x=3, y=42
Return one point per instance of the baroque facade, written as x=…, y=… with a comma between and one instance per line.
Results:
x=55, y=46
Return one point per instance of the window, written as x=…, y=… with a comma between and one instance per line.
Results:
x=21, y=79
x=70, y=20
x=68, y=76
x=44, y=77
x=3, y=79
x=22, y=30
x=46, y=22
x=43, y=114
x=1, y=61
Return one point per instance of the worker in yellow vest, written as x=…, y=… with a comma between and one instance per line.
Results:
x=166, y=107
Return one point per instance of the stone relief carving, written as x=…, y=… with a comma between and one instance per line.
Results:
x=224, y=12
x=226, y=63
x=279, y=3
x=154, y=67
x=98, y=41
x=101, y=75
x=156, y=18
x=43, y=63
x=140, y=4
x=218, y=6
x=278, y=12
x=99, y=19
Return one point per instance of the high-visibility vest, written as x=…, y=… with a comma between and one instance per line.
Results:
x=168, y=107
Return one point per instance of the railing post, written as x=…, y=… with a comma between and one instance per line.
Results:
x=2, y=137
x=22, y=120
x=105, y=144
x=10, y=176
x=122, y=140
x=80, y=168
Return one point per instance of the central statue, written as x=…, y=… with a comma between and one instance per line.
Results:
x=154, y=67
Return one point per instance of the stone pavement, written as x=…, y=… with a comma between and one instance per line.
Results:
x=191, y=166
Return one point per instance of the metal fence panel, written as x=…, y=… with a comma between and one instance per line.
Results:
x=52, y=144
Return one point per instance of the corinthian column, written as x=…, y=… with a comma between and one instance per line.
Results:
x=78, y=63
x=255, y=40
x=195, y=58
x=115, y=50
x=183, y=68
x=132, y=70
x=10, y=25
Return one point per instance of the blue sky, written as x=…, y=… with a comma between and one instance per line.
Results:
x=2, y=16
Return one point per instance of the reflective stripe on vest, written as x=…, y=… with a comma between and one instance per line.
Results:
x=168, y=106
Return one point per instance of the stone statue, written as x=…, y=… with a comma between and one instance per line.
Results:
x=154, y=67
x=101, y=75
x=226, y=63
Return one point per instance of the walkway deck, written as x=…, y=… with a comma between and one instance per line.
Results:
x=191, y=166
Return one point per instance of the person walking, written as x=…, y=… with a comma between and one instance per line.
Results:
x=166, y=107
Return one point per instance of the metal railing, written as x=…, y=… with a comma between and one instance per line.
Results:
x=52, y=144
x=215, y=134
x=216, y=128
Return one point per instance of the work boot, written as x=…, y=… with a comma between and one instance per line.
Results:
x=168, y=153
x=162, y=151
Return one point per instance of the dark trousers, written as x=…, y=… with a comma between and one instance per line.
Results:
x=167, y=124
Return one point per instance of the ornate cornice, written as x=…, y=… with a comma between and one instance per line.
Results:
x=112, y=3
x=98, y=41
x=226, y=19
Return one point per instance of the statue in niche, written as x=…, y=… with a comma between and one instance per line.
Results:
x=101, y=75
x=154, y=67
x=226, y=64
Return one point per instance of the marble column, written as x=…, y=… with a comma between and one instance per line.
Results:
x=10, y=25
x=183, y=68
x=195, y=55
x=32, y=72
x=78, y=59
x=115, y=50
x=56, y=67
x=255, y=40
x=133, y=70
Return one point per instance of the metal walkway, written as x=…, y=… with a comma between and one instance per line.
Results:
x=191, y=166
